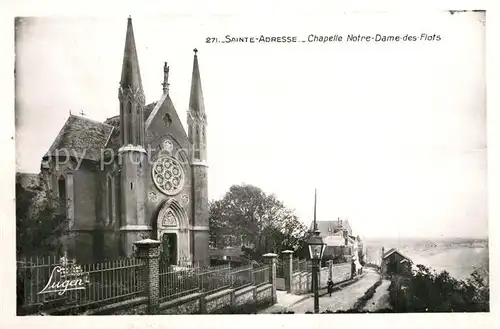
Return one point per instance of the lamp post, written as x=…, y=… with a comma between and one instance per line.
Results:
x=316, y=248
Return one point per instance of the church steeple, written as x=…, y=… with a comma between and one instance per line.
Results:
x=131, y=75
x=131, y=94
x=196, y=103
x=197, y=124
x=197, y=119
x=133, y=159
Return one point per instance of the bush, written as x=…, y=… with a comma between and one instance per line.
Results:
x=40, y=224
x=427, y=291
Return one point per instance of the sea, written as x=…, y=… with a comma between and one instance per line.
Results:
x=459, y=257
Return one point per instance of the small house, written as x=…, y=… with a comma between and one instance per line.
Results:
x=395, y=263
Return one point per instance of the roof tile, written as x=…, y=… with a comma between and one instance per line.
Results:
x=81, y=137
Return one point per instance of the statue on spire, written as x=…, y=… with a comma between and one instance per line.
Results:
x=165, y=84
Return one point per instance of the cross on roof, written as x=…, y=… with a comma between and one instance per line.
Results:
x=82, y=113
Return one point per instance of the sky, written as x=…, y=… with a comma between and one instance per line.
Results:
x=392, y=135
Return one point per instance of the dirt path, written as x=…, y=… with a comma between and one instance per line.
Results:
x=341, y=300
x=380, y=299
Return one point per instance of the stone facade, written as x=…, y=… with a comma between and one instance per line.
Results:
x=137, y=175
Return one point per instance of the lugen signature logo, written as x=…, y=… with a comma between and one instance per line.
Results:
x=66, y=277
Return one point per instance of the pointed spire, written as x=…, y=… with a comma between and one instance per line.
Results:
x=131, y=75
x=196, y=103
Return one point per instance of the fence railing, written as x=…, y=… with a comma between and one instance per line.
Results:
x=176, y=282
x=295, y=265
x=242, y=277
x=105, y=282
x=303, y=265
x=299, y=265
x=113, y=281
x=280, y=272
x=261, y=275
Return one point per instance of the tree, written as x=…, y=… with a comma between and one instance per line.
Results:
x=249, y=217
x=218, y=224
x=428, y=291
x=40, y=224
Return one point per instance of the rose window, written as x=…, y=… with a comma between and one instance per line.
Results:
x=168, y=175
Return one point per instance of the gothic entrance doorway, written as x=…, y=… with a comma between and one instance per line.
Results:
x=169, y=249
x=174, y=233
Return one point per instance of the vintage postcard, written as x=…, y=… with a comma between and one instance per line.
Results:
x=177, y=164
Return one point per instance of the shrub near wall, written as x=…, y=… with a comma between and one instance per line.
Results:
x=427, y=291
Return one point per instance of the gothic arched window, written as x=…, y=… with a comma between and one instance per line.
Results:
x=204, y=139
x=197, y=144
x=129, y=124
x=61, y=187
x=109, y=200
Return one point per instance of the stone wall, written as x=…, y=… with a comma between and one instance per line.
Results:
x=218, y=301
x=136, y=306
x=222, y=302
x=324, y=274
x=244, y=296
x=190, y=304
x=341, y=272
x=302, y=281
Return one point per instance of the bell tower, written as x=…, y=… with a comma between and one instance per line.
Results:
x=132, y=155
x=197, y=126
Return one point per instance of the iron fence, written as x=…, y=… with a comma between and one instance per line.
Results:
x=242, y=277
x=295, y=265
x=303, y=265
x=113, y=281
x=176, y=282
x=181, y=281
x=102, y=282
x=261, y=275
x=214, y=279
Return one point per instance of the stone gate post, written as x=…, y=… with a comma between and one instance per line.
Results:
x=288, y=269
x=149, y=251
x=271, y=260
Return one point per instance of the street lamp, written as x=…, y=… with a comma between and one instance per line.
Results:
x=316, y=248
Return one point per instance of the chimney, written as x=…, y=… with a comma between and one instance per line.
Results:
x=382, y=256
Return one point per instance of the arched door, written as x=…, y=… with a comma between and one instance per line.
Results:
x=169, y=249
x=172, y=224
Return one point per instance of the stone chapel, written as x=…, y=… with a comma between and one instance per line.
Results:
x=140, y=174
